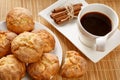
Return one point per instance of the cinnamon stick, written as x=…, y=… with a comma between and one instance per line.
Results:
x=76, y=12
x=60, y=18
x=55, y=15
x=64, y=18
x=61, y=15
x=59, y=9
x=77, y=7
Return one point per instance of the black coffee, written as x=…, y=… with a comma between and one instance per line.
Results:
x=96, y=23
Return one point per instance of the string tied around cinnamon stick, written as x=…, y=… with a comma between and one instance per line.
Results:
x=70, y=10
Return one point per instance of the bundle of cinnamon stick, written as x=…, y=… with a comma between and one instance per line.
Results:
x=60, y=14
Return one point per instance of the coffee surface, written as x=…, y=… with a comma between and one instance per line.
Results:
x=96, y=23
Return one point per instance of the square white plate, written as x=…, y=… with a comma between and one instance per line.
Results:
x=70, y=31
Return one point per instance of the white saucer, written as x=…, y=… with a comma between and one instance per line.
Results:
x=57, y=51
x=70, y=31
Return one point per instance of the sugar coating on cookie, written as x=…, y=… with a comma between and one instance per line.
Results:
x=74, y=65
x=19, y=20
x=48, y=39
x=6, y=38
x=45, y=68
x=11, y=68
x=27, y=47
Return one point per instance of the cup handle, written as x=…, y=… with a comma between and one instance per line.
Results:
x=101, y=43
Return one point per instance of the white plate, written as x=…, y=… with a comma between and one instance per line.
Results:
x=57, y=51
x=70, y=31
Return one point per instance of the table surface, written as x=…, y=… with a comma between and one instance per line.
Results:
x=106, y=69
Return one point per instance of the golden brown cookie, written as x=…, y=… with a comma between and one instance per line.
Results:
x=48, y=39
x=19, y=20
x=27, y=47
x=5, y=42
x=45, y=68
x=11, y=68
x=74, y=65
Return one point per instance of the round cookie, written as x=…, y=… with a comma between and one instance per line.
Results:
x=48, y=39
x=6, y=38
x=19, y=20
x=27, y=47
x=74, y=65
x=11, y=68
x=45, y=68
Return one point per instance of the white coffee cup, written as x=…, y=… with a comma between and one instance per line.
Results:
x=93, y=41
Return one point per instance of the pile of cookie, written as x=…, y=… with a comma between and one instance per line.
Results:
x=24, y=49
